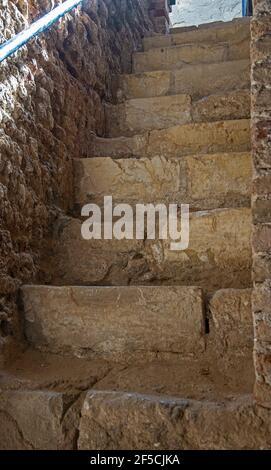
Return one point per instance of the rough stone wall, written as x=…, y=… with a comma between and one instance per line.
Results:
x=261, y=199
x=194, y=12
x=51, y=101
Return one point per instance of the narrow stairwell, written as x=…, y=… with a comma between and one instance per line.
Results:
x=134, y=345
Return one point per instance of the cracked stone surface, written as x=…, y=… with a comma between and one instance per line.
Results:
x=39, y=420
x=115, y=420
x=227, y=310
x=218, y=256
x=203, y=181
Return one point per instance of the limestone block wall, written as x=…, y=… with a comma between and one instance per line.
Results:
x=51, y=101
x=194, y=12
x=261, y=198
x=159, y=11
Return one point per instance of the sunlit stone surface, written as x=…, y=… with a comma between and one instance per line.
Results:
x=194, y=12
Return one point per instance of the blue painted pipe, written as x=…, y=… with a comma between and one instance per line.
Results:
x=247, y=8
x=36, y=28
x=244, y=7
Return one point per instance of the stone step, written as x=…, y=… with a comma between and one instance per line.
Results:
x=218, y=256
x=193, y=80
x=207, y=181
x=177, y=141
x=143, y=114
x=115, y=322
x=233, y=32
x=176, y=57
x=116, y=420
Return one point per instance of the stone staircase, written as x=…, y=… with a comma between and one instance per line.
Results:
x=131, y=345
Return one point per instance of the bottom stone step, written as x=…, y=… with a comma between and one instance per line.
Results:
x=201, y=403
x=118, y=421
x=108, y=420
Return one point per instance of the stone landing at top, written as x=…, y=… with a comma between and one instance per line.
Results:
x=190, y=12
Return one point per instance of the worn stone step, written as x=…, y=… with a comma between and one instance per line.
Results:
x=233, y=32
x=177, y=141
x=218, y=256
x=193, y=80
x=143, y=114
x=207, y=181
x=115, y=322
x=116, y=421
x=175, y=57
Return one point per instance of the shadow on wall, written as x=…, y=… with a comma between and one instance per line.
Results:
x=195, y=12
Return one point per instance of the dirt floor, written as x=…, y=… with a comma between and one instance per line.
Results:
x=200, y=379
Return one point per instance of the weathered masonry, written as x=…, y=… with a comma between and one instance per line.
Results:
x=109, y=344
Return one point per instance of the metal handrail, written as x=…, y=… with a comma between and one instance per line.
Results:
x=15, y=43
